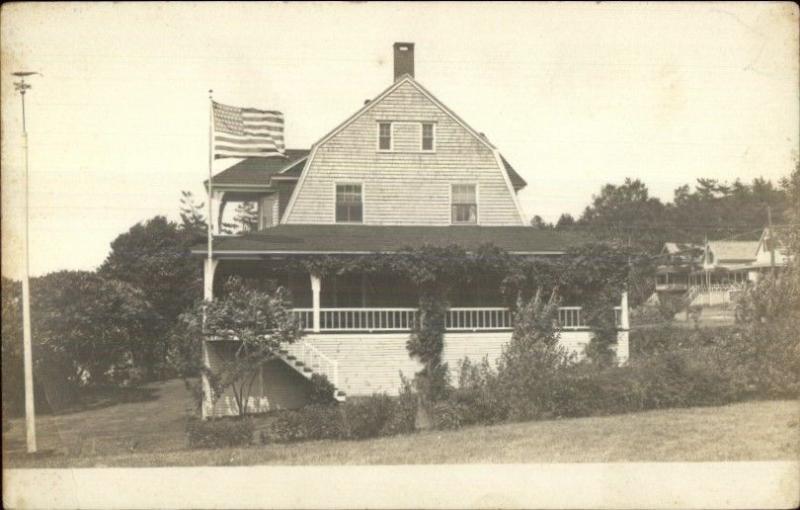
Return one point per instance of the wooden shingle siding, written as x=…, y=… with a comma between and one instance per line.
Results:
x=404, y=186
x=407, y=136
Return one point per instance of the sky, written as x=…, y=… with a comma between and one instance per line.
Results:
x=574, y=96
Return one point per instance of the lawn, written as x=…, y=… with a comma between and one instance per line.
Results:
x=150, y=433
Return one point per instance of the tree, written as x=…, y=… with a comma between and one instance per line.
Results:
x=626, y=213
x=154, y=256
x=539, y=223
x=12, y=370
x=720, y=210
x=246, y=218
x=565, y=221
x=252, y=325
x=193, y=222
x=791, y=236
x=84, y=327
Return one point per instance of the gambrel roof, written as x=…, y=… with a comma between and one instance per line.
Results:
x=514, y=181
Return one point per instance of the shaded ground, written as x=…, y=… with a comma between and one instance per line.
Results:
x=151, y=433
x=147, y=418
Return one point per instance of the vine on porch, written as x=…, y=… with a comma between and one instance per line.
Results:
x=591, y=275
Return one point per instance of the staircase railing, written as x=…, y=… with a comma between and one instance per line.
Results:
x=316, y=360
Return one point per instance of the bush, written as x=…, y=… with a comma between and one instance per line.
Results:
x=367, y=417
x=449, y=415
x=403, y=415
x=528, y=366
x=288, y=426
x=478, y=392
x=658, y=340
x=324, y=422
x=219, y=433
x=377, y=415
x=322, y=390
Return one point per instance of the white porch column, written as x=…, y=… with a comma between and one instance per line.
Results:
x=209, y=268
x=217, y=207
x=624, y=318
x=623, y=347
x=316, y=287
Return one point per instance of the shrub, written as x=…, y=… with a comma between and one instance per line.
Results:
x=586, y=390
x=219, y=433
x=322, y=390
x=528, y=365
x=403, y=415
x=367, y=417
x=477, y=391
x=288, y=426
x=324, y=422
x=449, y=415
x=658, y=340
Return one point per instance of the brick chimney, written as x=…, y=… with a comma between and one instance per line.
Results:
x=403, y=59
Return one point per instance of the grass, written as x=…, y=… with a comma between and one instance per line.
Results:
x=152, y=434
x=153, y=423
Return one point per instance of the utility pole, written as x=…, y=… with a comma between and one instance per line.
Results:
x=30, y=418
x=768, y=238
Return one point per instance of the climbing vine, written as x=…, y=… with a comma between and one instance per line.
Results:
x=592, y=276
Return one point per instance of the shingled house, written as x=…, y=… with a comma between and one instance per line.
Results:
x=404, y=170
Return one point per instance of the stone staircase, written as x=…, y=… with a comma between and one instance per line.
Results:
x=305, y=359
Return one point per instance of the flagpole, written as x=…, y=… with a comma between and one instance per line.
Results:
x=210, y=174
x=208, y=274
x=27, y=348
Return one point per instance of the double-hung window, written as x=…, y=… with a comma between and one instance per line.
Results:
x=385, y=136
x=349, y=204
x=464, y=204
x=427, y=137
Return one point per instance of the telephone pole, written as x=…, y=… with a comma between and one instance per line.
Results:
x=30, y=419
x=768, y=239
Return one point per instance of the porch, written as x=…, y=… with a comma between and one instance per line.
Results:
x=357, y=326
x=377, y=302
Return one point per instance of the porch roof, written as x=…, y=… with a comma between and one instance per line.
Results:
x=257, y=171
x=361, y=239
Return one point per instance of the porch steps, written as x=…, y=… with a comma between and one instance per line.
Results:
x=316, y=363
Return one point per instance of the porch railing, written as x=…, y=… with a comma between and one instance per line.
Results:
x=456, y=319
x=359, y=319
x=474, y=319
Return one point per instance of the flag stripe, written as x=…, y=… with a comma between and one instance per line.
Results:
x=244, y=141
x=254, y=110
x=247, y=132
x=254, y=150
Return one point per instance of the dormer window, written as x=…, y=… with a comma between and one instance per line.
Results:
x=428, y=133
x=464, y=204
x=384, y=136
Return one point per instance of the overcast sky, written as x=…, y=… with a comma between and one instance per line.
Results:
x=573, y=95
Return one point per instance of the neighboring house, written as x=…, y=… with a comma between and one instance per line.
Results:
x=678, y=260
x=706, y=274
x=404, y=170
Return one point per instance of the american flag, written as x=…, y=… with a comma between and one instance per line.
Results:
x=247, y=132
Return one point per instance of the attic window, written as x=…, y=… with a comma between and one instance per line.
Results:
x=428, y=133
x=384, y=136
